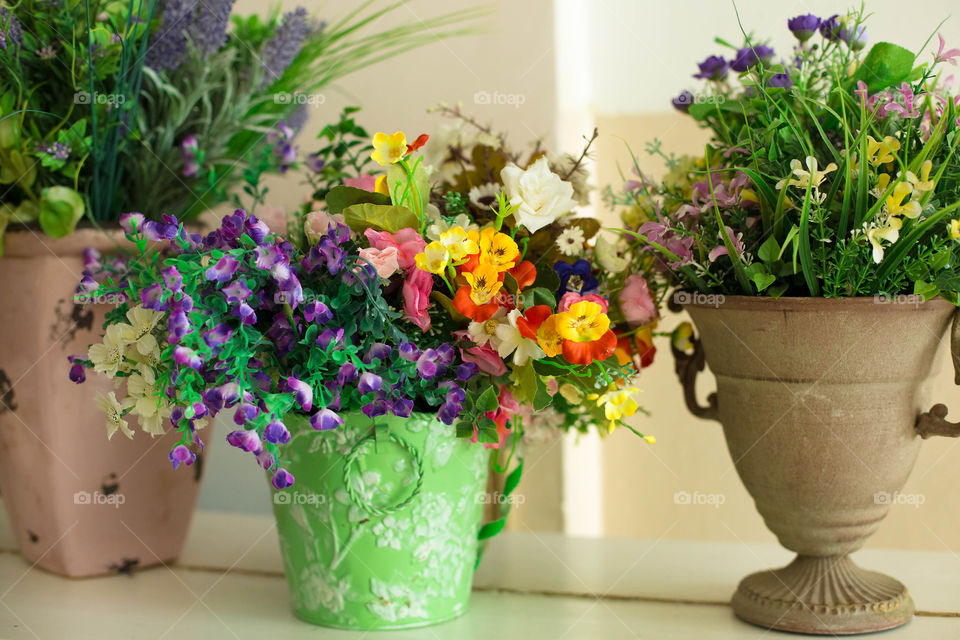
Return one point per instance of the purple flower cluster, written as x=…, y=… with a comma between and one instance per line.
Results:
x=184, y=23
x=750, y=57
x=11, y=31
x=284, y=45
x=804, y=27
x=281, y=141
x=189, y=150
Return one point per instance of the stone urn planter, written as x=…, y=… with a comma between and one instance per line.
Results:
x=823, y=403
x=380, y=532
x=80, y=505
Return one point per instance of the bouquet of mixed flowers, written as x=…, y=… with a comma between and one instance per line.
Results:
x=164, y=97
x=831, y=172
x=393, y=300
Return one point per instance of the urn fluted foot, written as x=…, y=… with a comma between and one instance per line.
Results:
x=823, y=596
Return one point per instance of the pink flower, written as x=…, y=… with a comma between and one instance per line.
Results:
x=570, y=298
x=383, y=260
x=636, y=302
x=946, y=56
x=721, y=249
x=486, y=358
x=367, y=182
x=407, y=242
x=416, y=298
x=318, y=224
x=500, y=417
x=507, y=402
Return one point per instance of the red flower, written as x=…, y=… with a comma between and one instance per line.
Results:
x=467, y=307
x=584, y=353
x=529, y=323
x=419, y=142
x=524, y=273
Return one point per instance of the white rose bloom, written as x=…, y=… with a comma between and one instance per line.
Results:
x=540, y=194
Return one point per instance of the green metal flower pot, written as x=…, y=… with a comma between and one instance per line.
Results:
x=380, y=532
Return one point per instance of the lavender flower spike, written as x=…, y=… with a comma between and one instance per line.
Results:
x=209, y=30
x=284, y=45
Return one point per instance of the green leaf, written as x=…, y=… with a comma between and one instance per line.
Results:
x=925, y=289
x=491, y=529
x=539, y=295
x=542, y=399
x=770, y=250
x=60, y=210
x=510, y=284
x=547, y=279
x=488, y=400
x=513, y=479
x=464, y=429
x=886, y=65
x=527, y=377
x=403, y=191
x=447, y=304
x=341, y=197
x=360, y=217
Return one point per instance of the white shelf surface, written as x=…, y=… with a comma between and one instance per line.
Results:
x=229, y=584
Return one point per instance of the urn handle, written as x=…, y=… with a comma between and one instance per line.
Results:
x=934, y=422
x=687, y=366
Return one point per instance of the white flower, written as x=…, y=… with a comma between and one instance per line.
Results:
x=540, y=195
x=610, y=256
x=805, y=177
x=114, y=410
x=107, y=357
x=483, y=332
x=570, y=242
x=151, y=409
x=140, y=330
x=485, y=195
x=512, y=341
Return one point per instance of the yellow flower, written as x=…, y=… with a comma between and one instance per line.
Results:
x=924, y=183
x=434, y=258
x=457, y=242
x=882, y=152
x=549, y=338
x=955, y=229
x=107, y=357
x=388, y=149
x=570, y=393
x=139, y=332
x=584, y=322
x=681, y=337
x=380, y=185
x=805, y=177
x=883, y=181
x=115, y=411
x=498, y=249
x=618, y=404
x=896, y=206
x=484, y=284
x=889, y=231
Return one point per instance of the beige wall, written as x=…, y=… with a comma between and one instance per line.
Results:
x=690, y=455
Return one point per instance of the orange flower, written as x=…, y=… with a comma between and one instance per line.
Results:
x=464, y=305
x=583, y=353
x=524, y=273
x=419, y=142
x=549, y=338
x=529, y=323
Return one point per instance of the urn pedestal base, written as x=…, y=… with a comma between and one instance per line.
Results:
x=824, y=596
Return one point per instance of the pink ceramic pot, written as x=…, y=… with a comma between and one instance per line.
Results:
x=822, y=406
x=80, y=505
